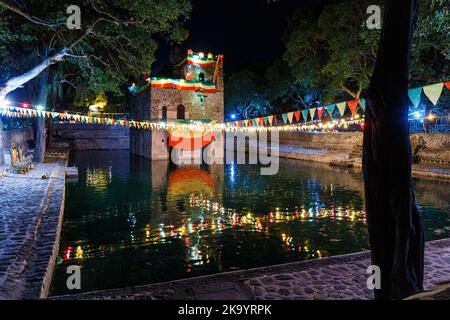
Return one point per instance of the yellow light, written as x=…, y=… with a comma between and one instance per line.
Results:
x=79, y=253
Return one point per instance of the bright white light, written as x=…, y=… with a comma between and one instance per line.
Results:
x=4, y=104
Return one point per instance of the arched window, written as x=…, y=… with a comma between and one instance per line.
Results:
x=181, y=112
x=164, y=113
x=201, y=77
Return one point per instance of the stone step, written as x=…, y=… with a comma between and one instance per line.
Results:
x=71, y=172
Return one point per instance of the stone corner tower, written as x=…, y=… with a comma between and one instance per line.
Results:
x=195, y=94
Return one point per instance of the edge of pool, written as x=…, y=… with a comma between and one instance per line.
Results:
x=245, y=284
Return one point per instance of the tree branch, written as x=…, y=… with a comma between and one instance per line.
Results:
x=68, y=82
x=17, y=82
x=35, y=20
x=347, y=90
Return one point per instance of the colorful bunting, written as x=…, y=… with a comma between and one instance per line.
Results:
x=312, y=112
x=305, y=115
x=433, y=92
x=297, y=115
x=447, y=84
x=320, y=112
x=290, y=117
x=415, y=95
x=362, y=103
x=341, y=107
x=353, y=105
x=330, y=109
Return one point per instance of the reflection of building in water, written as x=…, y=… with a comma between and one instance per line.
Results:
x=188, y=180
x=98, y=179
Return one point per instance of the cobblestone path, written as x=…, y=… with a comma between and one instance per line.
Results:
x=25, y=204
x=343, y=280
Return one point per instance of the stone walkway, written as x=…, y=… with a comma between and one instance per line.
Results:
x=338, y=278
x=30, y=211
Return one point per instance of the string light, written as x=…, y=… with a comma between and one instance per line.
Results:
x=193, y=126
x=247, y=125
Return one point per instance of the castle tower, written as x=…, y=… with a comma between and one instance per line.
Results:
x=197, y=95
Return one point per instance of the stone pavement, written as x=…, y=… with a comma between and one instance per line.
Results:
x=337, y=278
x=30, y=216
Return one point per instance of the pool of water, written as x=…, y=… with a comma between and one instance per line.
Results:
x=129, y=221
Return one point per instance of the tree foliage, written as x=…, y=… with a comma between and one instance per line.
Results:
x=246, y=94
x=115, y=42
x=334, y=50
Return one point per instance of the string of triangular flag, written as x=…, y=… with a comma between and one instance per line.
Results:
x=311, y=117
x=433, y=92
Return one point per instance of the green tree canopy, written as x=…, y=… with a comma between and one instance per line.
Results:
x=333, y=49
x=115, y=42
x=246, y=94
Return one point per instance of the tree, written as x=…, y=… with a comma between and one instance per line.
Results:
x=431, y=45
x=333, y=49
x=431, y=50
x=285, y=91
x=246, y=94
x=394, y=222
x=114, y=44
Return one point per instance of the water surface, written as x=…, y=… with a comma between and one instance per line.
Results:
x=129, y=221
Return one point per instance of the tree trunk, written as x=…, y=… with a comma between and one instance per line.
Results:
x=394, y=222
x=40, y=129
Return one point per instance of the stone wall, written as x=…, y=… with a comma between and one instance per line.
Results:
x=141, y=140
x=432, y=147
x=92, y=136
x=428, y=147
x=16, y=136
x=337, y=142
x=198, y=105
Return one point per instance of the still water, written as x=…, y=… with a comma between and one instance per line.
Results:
x=129, y=221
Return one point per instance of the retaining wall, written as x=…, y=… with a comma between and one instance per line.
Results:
x=92, y=136
x=16, y=136
x=429, y=147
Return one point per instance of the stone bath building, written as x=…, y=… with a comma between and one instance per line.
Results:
x=195, y=94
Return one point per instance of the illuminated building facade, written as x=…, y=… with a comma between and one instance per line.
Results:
x=197, y=96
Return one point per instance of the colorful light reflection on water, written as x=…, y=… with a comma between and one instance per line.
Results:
x=129, y=221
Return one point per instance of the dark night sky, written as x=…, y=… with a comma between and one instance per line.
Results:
x=246, y=31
